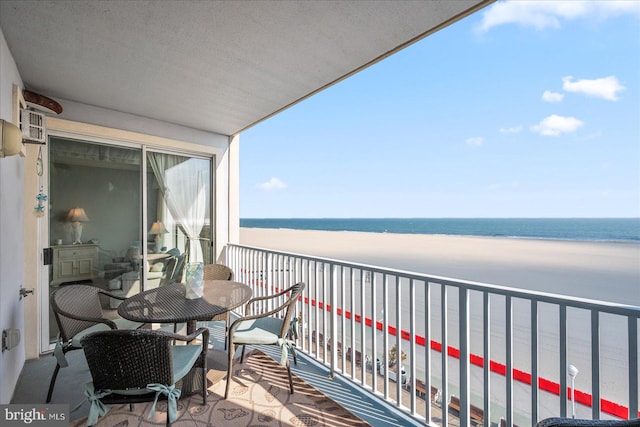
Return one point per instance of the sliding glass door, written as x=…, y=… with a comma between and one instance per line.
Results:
x=124, y=218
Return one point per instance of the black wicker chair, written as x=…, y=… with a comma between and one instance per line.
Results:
x=78, y=312
x=131, y=366
x=266, y=329
x=570, y=422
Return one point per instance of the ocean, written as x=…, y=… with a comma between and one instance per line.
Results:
x=584, y=229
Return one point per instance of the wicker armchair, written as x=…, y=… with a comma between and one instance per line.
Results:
x=131, y=366
x=78, y=312
x=219, y=272
x=266, y=329
x=570, y=422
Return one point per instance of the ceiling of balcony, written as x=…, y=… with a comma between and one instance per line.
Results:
x=219, y=66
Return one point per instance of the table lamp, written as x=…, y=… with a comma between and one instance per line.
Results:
x=157, y=228
x=76, y=217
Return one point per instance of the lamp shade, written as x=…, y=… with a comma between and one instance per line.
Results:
x=157, y=228
x=77, y=215
x=10, y=139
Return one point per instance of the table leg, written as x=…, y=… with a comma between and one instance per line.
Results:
x=192, y=382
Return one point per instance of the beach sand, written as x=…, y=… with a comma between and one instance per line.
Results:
x=602, y=271
x=605, y=271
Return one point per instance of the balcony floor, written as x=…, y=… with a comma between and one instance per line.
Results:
x=36, y=374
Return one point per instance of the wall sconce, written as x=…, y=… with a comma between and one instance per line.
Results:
x=76, y=217
x=10, y=139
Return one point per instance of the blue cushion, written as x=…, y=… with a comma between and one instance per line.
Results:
x=184, y=356
x=265, y=330
x=174, y=252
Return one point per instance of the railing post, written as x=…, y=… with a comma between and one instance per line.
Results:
x=486, y=348
x=509, y=345
x=427, y=350
x=334, y=317
x=412, y=344
x=398, y=343
x=463, y=315
x=595, y=366
x=445, y=344
x=385, y=333
x=563, y=360
x=535, y=392
x=352, y=308
x=632, y=330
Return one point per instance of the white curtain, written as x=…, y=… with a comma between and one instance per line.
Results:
x=183, y=187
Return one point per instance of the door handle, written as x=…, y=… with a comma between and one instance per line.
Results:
x=24, y=292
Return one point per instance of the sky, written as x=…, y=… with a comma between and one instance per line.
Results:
x=524, y=109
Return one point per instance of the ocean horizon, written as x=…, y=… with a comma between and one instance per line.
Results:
x=580, y=229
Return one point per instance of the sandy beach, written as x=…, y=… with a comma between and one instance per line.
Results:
x=606, y=271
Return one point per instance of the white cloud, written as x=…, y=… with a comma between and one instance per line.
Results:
x=272, y=184
x=515, y=129
x=605, y=87
x=475, y=141
x=550, y=14
x=549, y=96
x=555, y=125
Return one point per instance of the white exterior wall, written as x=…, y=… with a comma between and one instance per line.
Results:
x=12, y=172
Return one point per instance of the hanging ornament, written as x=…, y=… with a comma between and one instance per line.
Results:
x=38, y=210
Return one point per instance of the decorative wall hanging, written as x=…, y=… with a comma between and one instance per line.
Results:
x=41, y=102
x=38, y=210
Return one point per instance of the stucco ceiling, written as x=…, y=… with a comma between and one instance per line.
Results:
x=219, y=66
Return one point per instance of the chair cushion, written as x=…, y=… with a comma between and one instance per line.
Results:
x=265, y=330
x=154, y=274
x=184, y=356
x=120, y=323
x=158, y=266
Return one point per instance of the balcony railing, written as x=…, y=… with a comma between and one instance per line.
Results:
x=483, y=353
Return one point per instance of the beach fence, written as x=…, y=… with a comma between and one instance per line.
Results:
x=487, y=354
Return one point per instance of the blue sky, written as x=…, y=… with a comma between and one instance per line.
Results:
x=525, y=109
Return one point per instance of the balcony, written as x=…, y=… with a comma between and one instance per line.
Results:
x=490, y=354
x=355, y=320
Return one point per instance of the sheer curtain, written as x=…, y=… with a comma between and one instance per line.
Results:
x=183, y=186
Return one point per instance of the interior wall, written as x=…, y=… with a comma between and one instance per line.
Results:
x=12, y=170
x=113, y=209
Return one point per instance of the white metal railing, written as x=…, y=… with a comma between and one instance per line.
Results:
x=503, y=353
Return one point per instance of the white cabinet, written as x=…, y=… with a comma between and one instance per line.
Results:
x=72, y=263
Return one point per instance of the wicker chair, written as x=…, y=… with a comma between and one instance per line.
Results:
x=131, y=366
x=78, y=312
x=219, y=272
x=170, y=267
x=266, y=329
x=570, y=422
